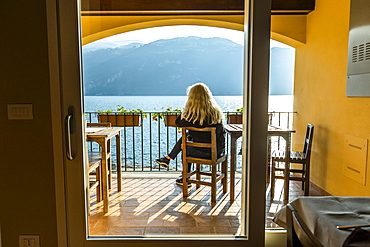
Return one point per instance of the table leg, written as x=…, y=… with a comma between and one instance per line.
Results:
x=232, y=167
x=109, y=163
x=119, y=161
x=104, y=174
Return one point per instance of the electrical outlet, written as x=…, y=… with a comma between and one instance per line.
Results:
x=29, y=241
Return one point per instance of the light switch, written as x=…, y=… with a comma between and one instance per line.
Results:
x=20, y=111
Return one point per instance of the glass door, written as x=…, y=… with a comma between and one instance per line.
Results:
x=255, y=101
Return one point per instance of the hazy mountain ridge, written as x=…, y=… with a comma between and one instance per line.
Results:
x=164, y=67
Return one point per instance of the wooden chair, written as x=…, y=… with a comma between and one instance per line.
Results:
x=93, y=176
x=94, y=170
x=302, y=158
x=212, y=163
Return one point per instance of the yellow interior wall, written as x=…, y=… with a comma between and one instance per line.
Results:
x=320, y=98
x=27, y=185
x=98, y=27
x=289, y=29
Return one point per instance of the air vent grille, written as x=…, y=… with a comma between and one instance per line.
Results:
x=354, y=54
x=361, y=52
x=367, y=54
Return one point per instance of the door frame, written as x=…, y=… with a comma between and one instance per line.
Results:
x=65, y=82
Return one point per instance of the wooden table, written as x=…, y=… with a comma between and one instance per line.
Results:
x=103, y=136
x=235, y=131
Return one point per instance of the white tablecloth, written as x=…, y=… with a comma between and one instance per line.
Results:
x=323, y=214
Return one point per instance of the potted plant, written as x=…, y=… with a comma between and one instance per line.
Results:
x=235, y=117
x=168, y=114
x=107, y=116
x=122, y=117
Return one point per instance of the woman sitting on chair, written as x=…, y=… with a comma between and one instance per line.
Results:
x=201, y=110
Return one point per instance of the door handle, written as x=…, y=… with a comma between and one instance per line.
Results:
x=69, y=130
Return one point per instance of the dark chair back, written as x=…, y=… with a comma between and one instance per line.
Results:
x=308, y=141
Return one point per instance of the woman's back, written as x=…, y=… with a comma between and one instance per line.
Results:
x=204, y=136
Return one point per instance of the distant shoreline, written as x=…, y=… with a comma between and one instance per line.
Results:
x=180, y=95
x=155, y=103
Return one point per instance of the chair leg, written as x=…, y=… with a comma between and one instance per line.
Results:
x=272, y=180
x=303, y=175
x=198, y=177
x=286, y=177
x=307, y=180
x=224, y=179
x=213, y=187
x=88, y=202
x=185, y=181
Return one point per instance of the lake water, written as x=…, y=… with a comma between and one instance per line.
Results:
x=155, y=103
x=142, y=145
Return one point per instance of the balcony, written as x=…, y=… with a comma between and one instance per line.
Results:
x=150, y=203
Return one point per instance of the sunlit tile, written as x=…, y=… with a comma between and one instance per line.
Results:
x=197, y=230
x=162, y=230
x=227, y=230
x=155, y=206
x=145, y=223
x=127, y=231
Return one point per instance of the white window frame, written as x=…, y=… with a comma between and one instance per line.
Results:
x=65, y=81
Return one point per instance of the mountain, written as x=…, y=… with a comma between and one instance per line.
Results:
x=93, y=46
x=163, y=67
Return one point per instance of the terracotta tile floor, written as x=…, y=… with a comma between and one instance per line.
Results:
x=274, y=205
x=152, y=204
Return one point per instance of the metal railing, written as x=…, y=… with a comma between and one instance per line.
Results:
x=152, y=139
x=283, y=119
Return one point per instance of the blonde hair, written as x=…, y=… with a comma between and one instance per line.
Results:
x=201, y=107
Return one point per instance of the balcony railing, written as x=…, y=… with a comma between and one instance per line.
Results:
x=141, y=145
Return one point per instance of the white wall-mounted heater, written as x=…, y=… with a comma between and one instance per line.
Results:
x=358, y=72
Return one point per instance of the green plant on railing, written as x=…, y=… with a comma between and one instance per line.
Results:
x=238, y=111
x=122, y=116
x=122, y=109
x=166, y=111
x=106, y=112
